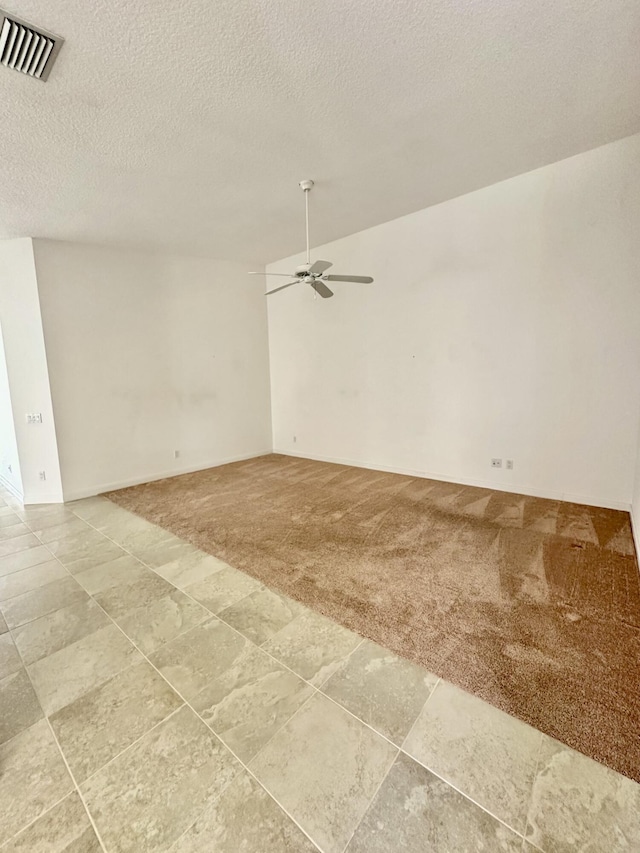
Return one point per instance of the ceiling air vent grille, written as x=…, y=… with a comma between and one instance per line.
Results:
x=26, y=48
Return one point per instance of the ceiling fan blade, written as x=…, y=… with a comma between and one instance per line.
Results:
x=362, y=279
x=319, y=266
x=286, y=274
x=321, y=289
x=282, y=287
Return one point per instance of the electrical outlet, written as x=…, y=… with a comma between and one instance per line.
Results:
x=496, y=463
x=43, y=475
x=509, y=465
x=295, y=438
x=34, y=418
x=176, y=454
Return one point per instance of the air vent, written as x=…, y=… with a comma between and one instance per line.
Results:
x=26, y=48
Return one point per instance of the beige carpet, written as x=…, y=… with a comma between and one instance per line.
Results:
x=532, y=604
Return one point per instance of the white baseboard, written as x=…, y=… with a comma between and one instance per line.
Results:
x=46, y=498
x=10, y=487
x=516, y=488
x=98, y=489
x=635, y=527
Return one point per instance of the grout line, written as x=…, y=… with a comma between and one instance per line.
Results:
x=462, y=793
x=413, y=725
x=73, y=779
x=313, y=695
x=209, y=804
x=45, y=812
x=371, y=801
x=342, y=662
x=35, y=565
x=138, y=739
x=27, y=591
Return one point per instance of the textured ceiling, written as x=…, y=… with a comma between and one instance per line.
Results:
x=186, y=125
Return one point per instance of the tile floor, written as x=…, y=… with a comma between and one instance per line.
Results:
x=153, y=698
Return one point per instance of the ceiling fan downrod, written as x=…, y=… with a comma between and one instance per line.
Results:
x=306, y=187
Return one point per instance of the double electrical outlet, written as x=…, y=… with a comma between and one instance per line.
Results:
x=497, y=463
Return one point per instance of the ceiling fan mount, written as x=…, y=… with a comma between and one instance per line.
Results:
x=313, y=273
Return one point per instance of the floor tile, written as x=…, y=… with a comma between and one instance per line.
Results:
x=45, y=515
x=222, y=589
x=93, y=553
x=26, y=580
x=96, y=509
x=194, y=659
x=65, y=828
x=68, y=528
x=10, y=531
x=163, y=551
x=248, y=702
x=9, y=657
x=118, y=522
x=32, y=605
x=312, y=646
x=578, y=804
x=105, y=721
x=324, y=767
x=385, y=691
x=262, y=614
x=3, y=625
x=134, y=534
x=85, y=548
x=488, y=755
x=64, y=676
x=56, y=630
x=33, y=778
x=147, y=797
x=190, y=569
x=414, y=811
x=24, y=559
x=9, y=519
x=244, y=818
x=17, y=544
x=120, y=600
x=19, y=706
x=158, y=623
x=112, y=573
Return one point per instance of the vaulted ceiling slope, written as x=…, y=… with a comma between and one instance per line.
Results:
x=186, y=125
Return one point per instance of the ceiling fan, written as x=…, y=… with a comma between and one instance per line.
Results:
x=313, y=273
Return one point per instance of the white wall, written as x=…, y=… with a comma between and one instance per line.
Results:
x=27, y=372
x=504, y=323
x=9, y=459
x=150, y=354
